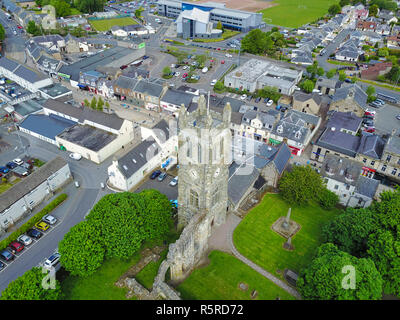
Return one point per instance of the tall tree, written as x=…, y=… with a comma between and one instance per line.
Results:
x=373, y=10
x=2, y=33
x=93, y=103
x=255, y=42
x=324, y=278
x=334, y=9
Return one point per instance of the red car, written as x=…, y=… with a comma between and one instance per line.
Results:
x=370, y=130
x=184, y=75
x=222, y=61
x=19, y=27
x=218, y=48
x=16, y=246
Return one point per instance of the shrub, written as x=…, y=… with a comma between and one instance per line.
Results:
x=327, y=199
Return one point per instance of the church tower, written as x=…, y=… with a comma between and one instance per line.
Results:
x=204, y=156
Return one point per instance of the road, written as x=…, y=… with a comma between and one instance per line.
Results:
x=71, y=212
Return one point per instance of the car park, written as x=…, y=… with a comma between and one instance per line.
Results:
x=15, y=246
x=35, y=234
x=155, y=174
x=6, y=255
x=49, y=219
x=174, y=182
x=24, y=239
x=162, y=176
x=42, y=226
x=75, y=156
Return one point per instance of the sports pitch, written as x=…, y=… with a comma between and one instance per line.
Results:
x=295, y=13
x=107, y=24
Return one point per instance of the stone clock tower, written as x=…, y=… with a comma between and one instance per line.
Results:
x=204, y=157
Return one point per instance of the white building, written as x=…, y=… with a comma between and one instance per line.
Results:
x=257, y=74
x=20, y=199
x=158, y=149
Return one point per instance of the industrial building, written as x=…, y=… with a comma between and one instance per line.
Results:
x=257, y=74
x=230, y=18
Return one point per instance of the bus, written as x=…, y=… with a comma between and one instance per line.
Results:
x=387, y=98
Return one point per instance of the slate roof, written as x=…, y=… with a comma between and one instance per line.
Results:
x=341, y=169
x=300, y=96
x=393, y=145
x=267, y=120
x=163, y=130
x=47, y=126
x=371, y=145
x=239, y=184
x=137, y=157
x=177, y=97
x=339, y=141
x=125, y=82
x=32, y=181
x=107, y=120
x=344, y=120
x=360, y=97
x=367, y=186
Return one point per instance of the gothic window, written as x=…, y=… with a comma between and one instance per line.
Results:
x=215, y=197
x=199, y=153
x=194, y=199
x=189, y=148
x=221, y=147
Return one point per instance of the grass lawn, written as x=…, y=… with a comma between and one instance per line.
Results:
x=255, y=239
x=146, y=276
x=4, y=186
x=295, y=13
x=100, y=285
x=341, y=63
x=225, y=35
x=106, y=24
x=221, y=278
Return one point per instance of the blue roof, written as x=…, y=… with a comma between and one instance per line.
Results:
x=47, y=126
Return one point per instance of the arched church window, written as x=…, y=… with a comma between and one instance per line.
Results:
x=194, y=199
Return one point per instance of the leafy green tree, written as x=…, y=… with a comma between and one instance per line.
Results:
x=327, y=199
x=342, y=75
x=29, y=287
x=383, y=52
x=255, y=42
x=2, y=33
x=219, y=86
x=323, y=278
x=350, y=230
x=307, y=85
x=269, y=92
x=100, y=104
x=219, y=25
x=82, y=249
x=301, y=185
x=373, y=10
x=107, y=106
x=32, y=28
x=166, y=71
x=62, y=7
x=334, y=9
x=89, y=6
x=354, y=79
x=384, y=4
x=394, y=74
x=343, y=3
x=331, y=73
x=370, y=90
x=86, y=103
x=93, y=103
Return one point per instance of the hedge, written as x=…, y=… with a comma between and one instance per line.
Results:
x=32, y=221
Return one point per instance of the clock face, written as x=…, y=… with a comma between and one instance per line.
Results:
x=217, y=172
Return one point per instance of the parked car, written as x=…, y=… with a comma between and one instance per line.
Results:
x=11, y=165
x=369, y=129
x=49, y=219
x=174, y=182
x=155, y=174
x=228, y=55
x=6, y=255
x=269, y=103
x=35, y=234
x=398, y=117
x=177, y=74
x=243, y=97
x=258, y=99
x=266, y=100
x=4, y=169
x=75, y=156
x=213, y=82
x=2, y=265
x=18, y=161
x=184, y=75
x=375, y=105
x=52, y=260
x=25, y=240
x=380, y=101
x=222, y=61
x=42, y=226
x=162, y=176
x=123, y=67
x=15, y=246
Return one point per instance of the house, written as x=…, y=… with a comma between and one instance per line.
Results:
x=91, y=81
x=378, y=69
x=258, y=125
x=393, y=41
x=307, y=103
x=363, y=25
x=327, y=86
x=343, y=177
x=173, y=99
x=296, y=129
x=129, y=30
x=349, y=97
x=95, y=135
x=23, y=197
x=159, y=146
x=346, y=122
